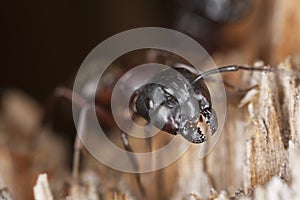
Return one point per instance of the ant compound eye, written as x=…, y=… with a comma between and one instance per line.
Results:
x=169, y=97
x=171, y=101
x=149, y=103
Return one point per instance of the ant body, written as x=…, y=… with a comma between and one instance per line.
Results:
x=164, y=106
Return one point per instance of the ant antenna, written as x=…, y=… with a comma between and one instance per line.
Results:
x=230, y=68
x=78, y=144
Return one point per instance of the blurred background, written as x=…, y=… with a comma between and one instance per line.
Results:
x=44, y=42
x=43, y=45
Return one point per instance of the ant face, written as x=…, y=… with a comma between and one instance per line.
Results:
x=159, y=106
x=176, y=107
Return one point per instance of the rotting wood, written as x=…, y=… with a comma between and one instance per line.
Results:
x=5, y=194
x=42, y=189
x=258, y=141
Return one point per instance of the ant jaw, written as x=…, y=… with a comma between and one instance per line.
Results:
x=211, y=124
x=195, y=136
x=211, y=120
x=201, y=118
x=200, y=137
x=199, y=140
x=192, y=131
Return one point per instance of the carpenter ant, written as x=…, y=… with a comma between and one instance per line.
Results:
x=177, y=107
x=162, y=106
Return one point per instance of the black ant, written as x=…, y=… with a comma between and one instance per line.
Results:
x=162, y=106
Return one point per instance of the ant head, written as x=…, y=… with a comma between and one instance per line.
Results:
x=175, y=107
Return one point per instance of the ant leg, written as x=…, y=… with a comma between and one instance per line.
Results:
x=148, y=139
x=76, y=159
x=71, y=96
x=68, y=94
x=128, y=148
x=64, y=93
x=78, y=144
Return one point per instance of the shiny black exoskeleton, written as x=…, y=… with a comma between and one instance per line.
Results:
x=174, y=103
